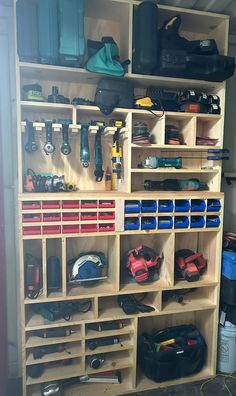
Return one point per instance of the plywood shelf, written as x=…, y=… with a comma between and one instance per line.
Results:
x=201, y=306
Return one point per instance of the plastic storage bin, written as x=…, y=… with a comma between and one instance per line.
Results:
x=198, y=205
x=229, y=265
x=132, y=206
x=148, y=223
x=165, y=222
x=132, y=223
x=149, y=206
x=182, y=205
x=227, y=348
x=165, y=205
x=197, y=222
x=213, y=205
x=181, y=222
x=212, y=221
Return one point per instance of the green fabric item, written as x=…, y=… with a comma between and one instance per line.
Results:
x=105, y=61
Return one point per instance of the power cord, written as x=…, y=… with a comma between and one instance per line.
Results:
x=225, y=376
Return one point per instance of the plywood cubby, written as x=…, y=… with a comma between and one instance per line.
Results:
x=104, y=244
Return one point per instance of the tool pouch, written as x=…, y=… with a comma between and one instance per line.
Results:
x=174, y=363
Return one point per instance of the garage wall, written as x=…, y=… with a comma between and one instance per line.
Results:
x=230, y=142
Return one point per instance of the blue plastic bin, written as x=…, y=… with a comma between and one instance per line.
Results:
x=165, y=205
x=182, y=205
x=212, y=221
x=132, y=206
x=148, y=223
x=132, y=223
x=229, y=265
x=165, y=222
x=197, y=222
x=198, y=205
x=213, y=205
x=181, y=222
x=148, y=206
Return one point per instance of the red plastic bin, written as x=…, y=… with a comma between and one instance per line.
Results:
x=89, y=204
x=31, y=218
x=88, y=228
x=51, y=217
x=31, y=205
x=51, y=204
x=106, y=216
x=70, y=204
x=52, y=229
x=33, y=230
x=108, y=203
x=70, y=216
x=71, y=229
x=88, y=216
x=106, y=227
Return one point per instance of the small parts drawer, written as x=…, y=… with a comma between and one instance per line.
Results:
x=181, y=222
x=31, y=205
x=109, y=204
x=165, y=222
x=165, y=206
x=33, y=230
x=84, y=216
x=182, y=205
x=198, y=205
x=53, y=229
x=51, y=204
x=71, y=229
x=149, y=206
x=70, y=204
x=197, y=222
x=106, y=216
x=213, y=205
x=88, y=228
x=106, y=227
x=70, y=216
x=148, y=223
x=132, y=206
x=132, y=223
x=212, y=221
x=50, y=217
x=31, y=218
x=89, y=204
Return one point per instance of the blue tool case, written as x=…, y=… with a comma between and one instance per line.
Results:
x=229, y=264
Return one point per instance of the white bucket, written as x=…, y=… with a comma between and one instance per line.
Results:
x=227, y=348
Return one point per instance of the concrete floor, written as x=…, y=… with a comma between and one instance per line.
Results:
x=214, y=388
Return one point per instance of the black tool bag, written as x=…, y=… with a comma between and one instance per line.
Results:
x=111, y=93
x=174, y=363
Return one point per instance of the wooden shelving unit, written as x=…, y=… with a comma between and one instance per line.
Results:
x=45, y=230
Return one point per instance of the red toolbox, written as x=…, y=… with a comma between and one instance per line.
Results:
x=71, y=229
x=88, y=228
x=33, y=230
x=89, y=204
x=106, y=215
x=31, y=218
x=106, y=227
x=31, y=205
x=51, y=204
x=88, y=216
x=53, y=229
x=70, y=204
x=51, y=217
x=70, y=216
x=108, y=203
